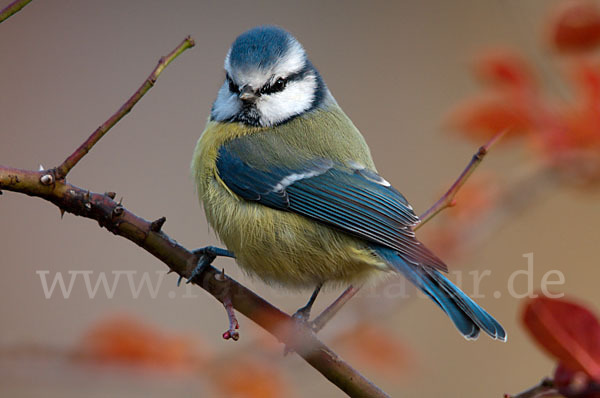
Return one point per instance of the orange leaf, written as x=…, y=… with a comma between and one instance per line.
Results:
x=249, y=377
x=376, y=347
x=576, y=26
x=568, y=331
x=127, y=340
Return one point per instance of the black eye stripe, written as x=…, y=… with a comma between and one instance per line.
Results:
x=232, y=86
x=270, y=88
x=280, y=83
x=275, y=87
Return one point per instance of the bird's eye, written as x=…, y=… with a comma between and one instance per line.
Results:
x=278, y=85
x=232, y=86
x=275, y=87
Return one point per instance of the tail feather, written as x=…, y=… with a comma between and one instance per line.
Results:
x=477, y=314
x=468, y=317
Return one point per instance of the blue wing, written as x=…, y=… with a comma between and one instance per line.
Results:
x=352, y=199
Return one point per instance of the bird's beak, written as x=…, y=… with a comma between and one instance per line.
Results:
x=247, y=94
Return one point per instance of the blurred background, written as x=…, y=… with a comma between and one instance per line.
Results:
x=398, y=69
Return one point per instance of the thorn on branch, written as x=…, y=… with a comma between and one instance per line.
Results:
x=47, y=179
x=62, y=212
x=117, y=211
x=221, y=276
x=156, y=225
x=86, y=200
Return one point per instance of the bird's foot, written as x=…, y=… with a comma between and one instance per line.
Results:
x=213, y=251
x=302, y=315
x=301, y=322
x=205, y=255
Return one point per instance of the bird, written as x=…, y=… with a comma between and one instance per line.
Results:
x=289, y=185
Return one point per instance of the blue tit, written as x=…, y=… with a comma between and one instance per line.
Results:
x=288, y=184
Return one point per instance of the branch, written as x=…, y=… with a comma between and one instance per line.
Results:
x=448, y=199
x=12, y=9
x=120, y=221
x=544, y=387
x=62, y=170
x=51, y=186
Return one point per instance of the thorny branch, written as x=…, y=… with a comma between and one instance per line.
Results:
x=51, y=185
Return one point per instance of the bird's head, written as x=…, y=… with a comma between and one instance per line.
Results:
x=269, y=80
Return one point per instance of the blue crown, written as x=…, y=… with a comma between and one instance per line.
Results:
x=260, y=47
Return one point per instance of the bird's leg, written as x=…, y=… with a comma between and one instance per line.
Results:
x=330, y=311
x=206, y=255
x=303, y=314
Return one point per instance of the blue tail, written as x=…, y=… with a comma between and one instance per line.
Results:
x=468, y=317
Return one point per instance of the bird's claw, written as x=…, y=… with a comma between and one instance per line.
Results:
x=204, y=261
x=213, y=252
x=206, y=255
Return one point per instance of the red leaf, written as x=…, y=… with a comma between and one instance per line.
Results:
x=576, y=26
x=568, y=331
x=483, y=117
x=587, y=76
x=505, y=68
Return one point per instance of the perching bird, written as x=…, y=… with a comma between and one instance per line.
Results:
x=288, y=183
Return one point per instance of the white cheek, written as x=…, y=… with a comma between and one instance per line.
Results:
x=296, y=98
x=227, y=104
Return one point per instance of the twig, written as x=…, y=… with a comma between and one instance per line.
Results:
x=62, y=170
x=232, y=332
x=329, y=312
x=445, y=201
x=12, y=9
x=448, y=199
x=545, y=386
x=51, y=185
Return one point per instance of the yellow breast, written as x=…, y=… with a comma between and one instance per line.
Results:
x=277, y=246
